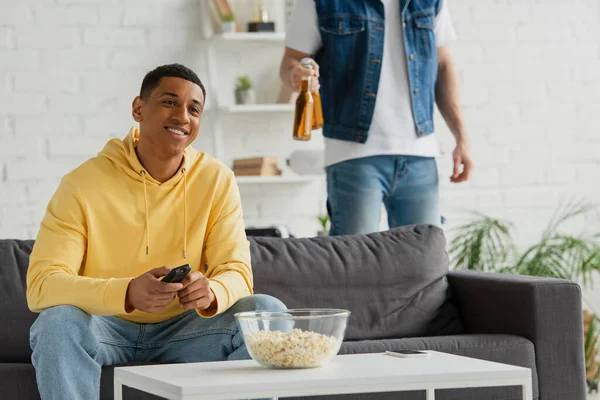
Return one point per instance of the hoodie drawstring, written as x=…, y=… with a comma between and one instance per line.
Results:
x=143, y=173
x=183, y=171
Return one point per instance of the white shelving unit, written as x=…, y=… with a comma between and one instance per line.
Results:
x=219, y=110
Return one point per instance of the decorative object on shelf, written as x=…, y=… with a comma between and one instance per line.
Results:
x=256, y=166
x=486, y=244
x=223, y=7
x=324, y=220
x=261, y=21
x=244, y=94
x=228, y=24
x=307, y=161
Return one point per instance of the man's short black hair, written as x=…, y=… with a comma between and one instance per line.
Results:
x=152, y=78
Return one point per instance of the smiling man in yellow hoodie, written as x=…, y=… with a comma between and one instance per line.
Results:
x=115, y=226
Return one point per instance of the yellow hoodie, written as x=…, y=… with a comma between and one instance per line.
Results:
x=109, y=221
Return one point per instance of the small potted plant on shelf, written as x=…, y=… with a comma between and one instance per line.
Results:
x=228, y=24
x=244, y=94
x=324, y=220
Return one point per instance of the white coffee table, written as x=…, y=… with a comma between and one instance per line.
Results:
x=359, y=373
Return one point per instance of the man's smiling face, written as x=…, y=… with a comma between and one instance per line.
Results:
x=170, y=116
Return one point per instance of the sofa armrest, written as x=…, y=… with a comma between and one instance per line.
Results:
x=544, y=310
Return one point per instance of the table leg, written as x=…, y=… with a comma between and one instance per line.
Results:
x=430, y=394
x=527, y=390
x=118, y=389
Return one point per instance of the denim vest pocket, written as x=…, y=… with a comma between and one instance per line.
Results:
x=343, y=36
x=341, y=25
x=424, y=37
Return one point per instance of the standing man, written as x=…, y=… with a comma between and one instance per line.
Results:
x=381, y=65
x=115, y=227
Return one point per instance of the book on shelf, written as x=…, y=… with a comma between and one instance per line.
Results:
x=255, y=162
x=256, y=166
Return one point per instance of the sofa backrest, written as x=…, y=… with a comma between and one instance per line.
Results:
x=393, y=282
x=15, y=317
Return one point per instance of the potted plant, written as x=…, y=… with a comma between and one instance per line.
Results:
x=324, y=221
x=486, y=244
x=228, y=24
x=244, y=94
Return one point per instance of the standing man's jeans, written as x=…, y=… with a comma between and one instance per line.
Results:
x=70, y=346
x=406, y=185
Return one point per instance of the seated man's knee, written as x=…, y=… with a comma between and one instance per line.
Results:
x=266, y=302
x=258, y=302
x=60, y=325
x=263, y=302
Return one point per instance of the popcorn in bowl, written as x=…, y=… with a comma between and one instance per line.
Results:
x=297, y=338
x=296, y=349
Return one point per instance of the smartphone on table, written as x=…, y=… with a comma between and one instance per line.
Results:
x=176, y=275
x=407, y=353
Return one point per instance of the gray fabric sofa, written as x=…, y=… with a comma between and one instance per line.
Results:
x=401, y=295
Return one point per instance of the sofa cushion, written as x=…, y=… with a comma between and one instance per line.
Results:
x=393, y=282
x=17, y=381
x=14, y=313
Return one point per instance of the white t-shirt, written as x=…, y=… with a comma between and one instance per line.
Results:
x=392, y=129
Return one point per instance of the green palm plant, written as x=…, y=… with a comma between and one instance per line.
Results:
x=483, y=244
x=592, y=337
x=486, y=244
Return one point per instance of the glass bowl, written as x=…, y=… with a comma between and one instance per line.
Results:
x=296, y=338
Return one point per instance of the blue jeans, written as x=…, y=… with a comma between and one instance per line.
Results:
x=70, y=346
x=406, y=185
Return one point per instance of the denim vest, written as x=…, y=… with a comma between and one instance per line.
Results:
x=352, y=33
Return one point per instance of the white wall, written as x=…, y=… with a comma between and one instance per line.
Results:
x=529, y=73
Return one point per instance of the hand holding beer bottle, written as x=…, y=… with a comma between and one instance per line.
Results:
x=308, y=113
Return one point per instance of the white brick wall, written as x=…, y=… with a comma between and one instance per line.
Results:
x=6, y=35
x=46, y=82
x=15, y=14
x=530, y=86
x=46, y=37
x=113, y=37
x=18, y=60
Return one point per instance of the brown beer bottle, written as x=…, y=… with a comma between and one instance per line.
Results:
x=303, y=114
x=317, y=121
